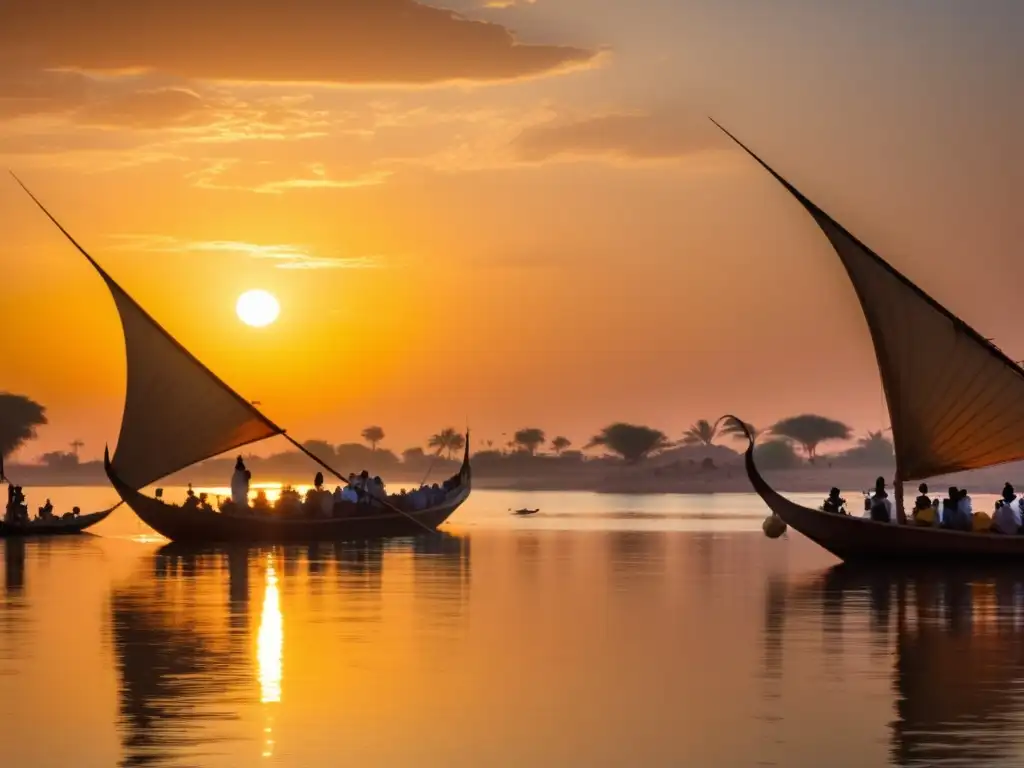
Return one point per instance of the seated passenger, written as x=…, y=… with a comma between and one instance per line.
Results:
x=834, y=503
x=1007, y=518
x=260, y=503
x=191, y=502
x=956, y=511
x=925, y=513
x=349, y=493
x=879, y=508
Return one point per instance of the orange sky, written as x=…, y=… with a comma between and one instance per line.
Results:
x=512, y=213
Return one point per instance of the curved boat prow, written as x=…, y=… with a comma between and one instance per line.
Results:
x=777, y=503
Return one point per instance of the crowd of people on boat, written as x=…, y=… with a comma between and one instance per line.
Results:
x=16, y=511
x=361, y=494
x=955, y=511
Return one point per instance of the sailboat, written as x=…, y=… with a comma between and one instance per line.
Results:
x=177, y=412
x=55, y=526
x=967, y=413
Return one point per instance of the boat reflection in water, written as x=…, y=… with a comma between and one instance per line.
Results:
x=203, y=675
x=957, y=635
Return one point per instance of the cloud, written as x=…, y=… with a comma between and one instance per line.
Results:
x=287, y=256
x=156, y=108
x=633, y=136
x=269, y=177
x=341, y=42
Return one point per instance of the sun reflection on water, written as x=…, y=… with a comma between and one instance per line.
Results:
x=269, y=645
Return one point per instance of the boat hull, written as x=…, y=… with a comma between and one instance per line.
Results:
x=858, y=539
x=199, y=526
x=60, y=527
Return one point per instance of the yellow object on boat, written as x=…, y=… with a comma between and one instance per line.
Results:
x=925, y=516
x=981, y=522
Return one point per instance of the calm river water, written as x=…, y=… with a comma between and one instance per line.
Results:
x=604, y=631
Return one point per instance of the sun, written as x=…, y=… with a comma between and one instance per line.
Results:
x=257, y=308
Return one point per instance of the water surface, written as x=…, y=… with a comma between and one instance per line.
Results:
x=605, y=631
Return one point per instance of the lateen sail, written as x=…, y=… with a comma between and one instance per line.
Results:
x=176, y=411
x=955, y=401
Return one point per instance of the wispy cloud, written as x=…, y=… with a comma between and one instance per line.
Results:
x=287, y=255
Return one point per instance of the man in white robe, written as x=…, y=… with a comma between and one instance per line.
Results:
x=240, y=485
x=1007, y=518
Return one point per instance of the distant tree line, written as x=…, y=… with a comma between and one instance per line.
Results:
x=789, y=443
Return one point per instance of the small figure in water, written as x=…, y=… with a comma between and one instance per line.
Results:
x=240, y=485
x=835, y=503
x=1007, y=518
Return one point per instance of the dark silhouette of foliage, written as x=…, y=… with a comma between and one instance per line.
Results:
x=320, y=448
x=810, y=430
x=448, y=440
x=701, y=433
x=630, y=441
x=19, y=417
x=873, y=450
x=559, y=444
x=59, y=460
x=776, y=454
x=529, y=439
x=373, y=435
x=413, y=456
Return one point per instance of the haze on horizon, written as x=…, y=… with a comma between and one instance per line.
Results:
x=507, y=213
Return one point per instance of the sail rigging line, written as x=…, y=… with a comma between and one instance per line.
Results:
x=969, y=416
x=273, y=428
x=338, y=475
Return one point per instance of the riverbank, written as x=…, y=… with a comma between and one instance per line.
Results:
x=594, y=477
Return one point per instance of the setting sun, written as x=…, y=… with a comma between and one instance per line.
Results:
x=257, y=308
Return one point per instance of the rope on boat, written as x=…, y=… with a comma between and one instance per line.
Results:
x=341, y=477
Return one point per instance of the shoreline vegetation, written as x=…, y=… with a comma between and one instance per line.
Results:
x=621, y=458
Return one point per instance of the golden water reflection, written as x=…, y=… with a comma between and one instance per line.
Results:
x=527, y=648
x=269, y=650
x=270, y=640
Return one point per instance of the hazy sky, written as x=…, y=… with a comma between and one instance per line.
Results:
x=509, y=212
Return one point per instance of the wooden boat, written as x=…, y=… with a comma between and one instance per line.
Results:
x=58, y=526
x=524, y=512
x=351, y=520
x=967, y=413
x=177, y=413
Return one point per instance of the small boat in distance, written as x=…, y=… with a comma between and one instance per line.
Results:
x=177, y=413
x=61, y=525
x=523, y=512
x=967, y=414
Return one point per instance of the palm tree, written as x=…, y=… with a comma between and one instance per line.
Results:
x=373, y=435
x=734, y=429
x=701, y=433
x=75, y=445
x=530, y=439
x=559, y=444
x=447, y=440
